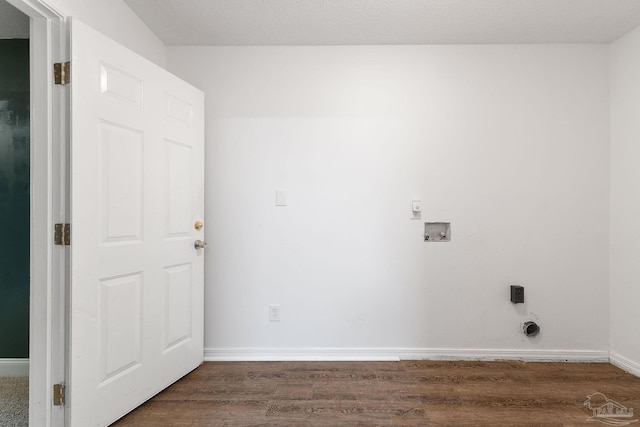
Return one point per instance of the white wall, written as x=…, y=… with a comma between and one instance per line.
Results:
x=509, y=143
x=13, y=23
x=625, y=201
x=116, y=20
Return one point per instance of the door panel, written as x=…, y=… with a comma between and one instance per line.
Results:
x=137, y=187
x=121, y=175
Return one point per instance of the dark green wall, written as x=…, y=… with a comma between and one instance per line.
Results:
x=14, y=198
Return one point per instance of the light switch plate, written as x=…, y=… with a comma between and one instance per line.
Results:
x=281, y=198
x=416, y=209
x=274, y=313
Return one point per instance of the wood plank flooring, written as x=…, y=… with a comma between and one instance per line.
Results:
x=407, y=393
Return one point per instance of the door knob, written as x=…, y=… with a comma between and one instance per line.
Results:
x=200, y=244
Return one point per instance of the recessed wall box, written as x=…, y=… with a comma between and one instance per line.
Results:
x=437, y=231
x=517, y=294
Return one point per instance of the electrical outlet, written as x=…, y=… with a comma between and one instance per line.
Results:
x=274, y=313
x=517, y=294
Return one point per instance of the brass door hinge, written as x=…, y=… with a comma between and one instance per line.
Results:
x=58, y=394
x=62, y=73
x=62, y=234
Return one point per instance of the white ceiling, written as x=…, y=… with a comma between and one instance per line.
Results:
x=362, y=22
x=13, y=23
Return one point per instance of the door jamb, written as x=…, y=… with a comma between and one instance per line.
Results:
x=48, y=44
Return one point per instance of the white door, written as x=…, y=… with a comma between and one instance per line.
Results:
x=137, y=189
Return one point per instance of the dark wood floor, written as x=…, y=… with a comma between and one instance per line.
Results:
x=408, y=393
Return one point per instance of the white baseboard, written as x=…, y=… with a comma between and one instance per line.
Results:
x=14, y=367
x=625, y=364
x=294, y=354
x=396, y=354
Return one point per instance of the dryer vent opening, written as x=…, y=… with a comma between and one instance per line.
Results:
x=531, y=329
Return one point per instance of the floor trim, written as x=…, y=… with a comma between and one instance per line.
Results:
x=625, y=364
x=14, y=367
x=396, y=354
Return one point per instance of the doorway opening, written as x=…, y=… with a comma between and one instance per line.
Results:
x=15, y=147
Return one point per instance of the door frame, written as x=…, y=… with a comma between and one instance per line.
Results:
x=48, y=201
